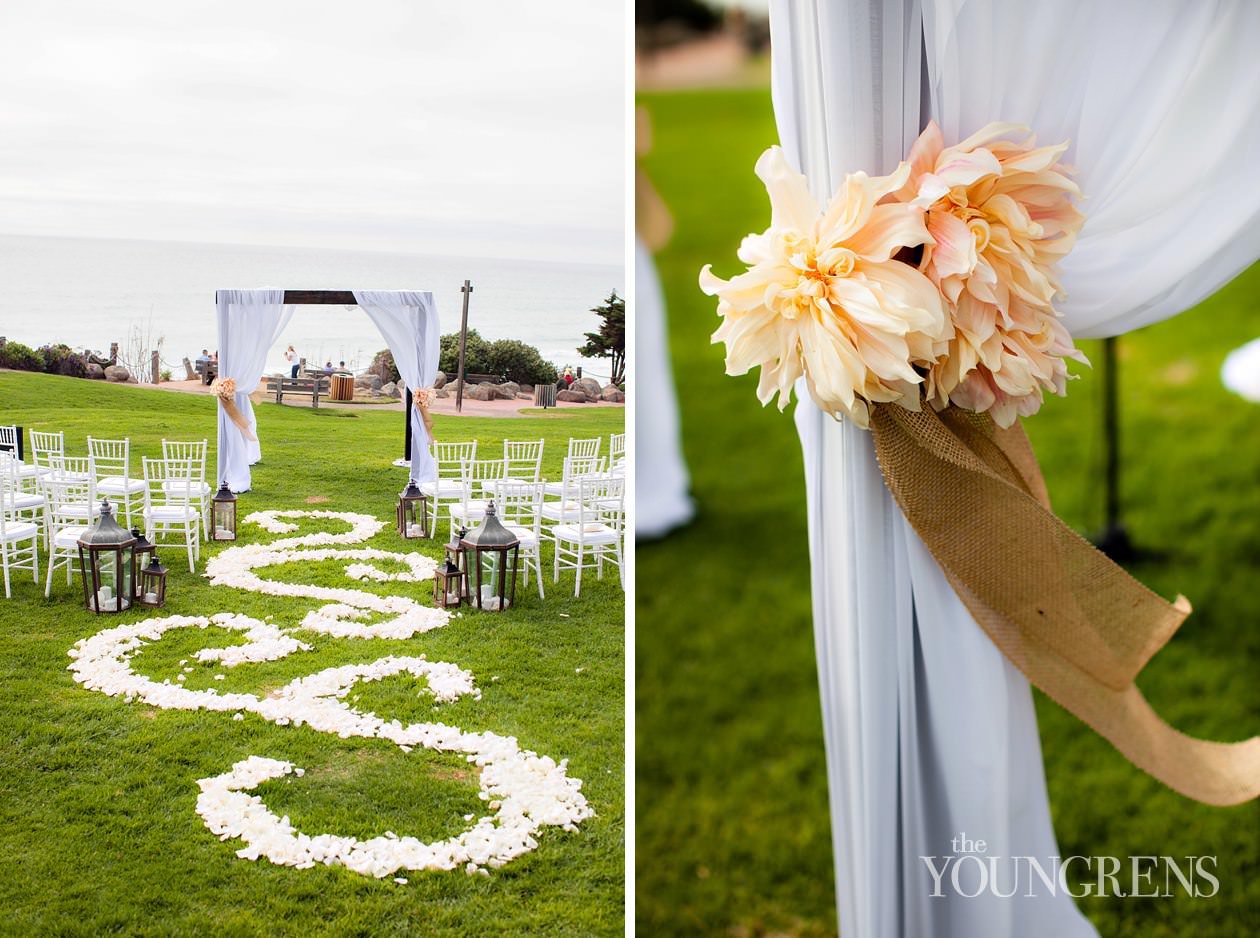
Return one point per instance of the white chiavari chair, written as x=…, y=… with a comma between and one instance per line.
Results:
x=448, y=487
x=171, y=501
x=595, y=537
x=588, y=448
x=195, y=451
x=111, y=467
x=20, y=504
x=522, y=459
x=617, y=453
x=70, y=494
x=576, y=468
x=15, y=528
x=519, y=505
x=484, y=474
x=28, y=472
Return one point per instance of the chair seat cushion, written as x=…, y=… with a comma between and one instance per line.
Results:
x=28, y=470
x=171, y=513
x=117, y=485
x=69, y=537
x=19, y=531
x=22, y=502
x=560, y=511
x=180, y=486
x=442, y=488
x=524, y=535
x=78, y=510
x=591, y=533
x=473, y=509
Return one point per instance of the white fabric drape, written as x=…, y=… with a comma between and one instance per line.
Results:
x=662, y=501
x=249, y=322
x=408, y=321
x=929, y=731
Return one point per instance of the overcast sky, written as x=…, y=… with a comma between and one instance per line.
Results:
x=493, y=127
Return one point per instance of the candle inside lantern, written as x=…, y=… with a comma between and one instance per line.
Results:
x=222, y=533
x=150, y=597
x=413, y=530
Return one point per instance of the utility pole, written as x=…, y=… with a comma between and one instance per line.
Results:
x=466, y=289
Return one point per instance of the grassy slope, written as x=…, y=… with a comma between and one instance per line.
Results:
x=732, y=811
x=96, y=796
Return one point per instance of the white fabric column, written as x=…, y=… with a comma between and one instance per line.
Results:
x=250, y=321
x=661, y=500
x=929, y=730
x=408, y=321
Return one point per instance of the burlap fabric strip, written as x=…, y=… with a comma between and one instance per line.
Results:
x=1076, y=624
x=225, y=391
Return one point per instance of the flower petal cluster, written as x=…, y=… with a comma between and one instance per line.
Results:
x=839, y=295
x=825, y=296
x=1001, y=214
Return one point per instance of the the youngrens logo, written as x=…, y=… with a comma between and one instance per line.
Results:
x=970, y=872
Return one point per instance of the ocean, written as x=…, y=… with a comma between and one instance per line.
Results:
x=89, y=292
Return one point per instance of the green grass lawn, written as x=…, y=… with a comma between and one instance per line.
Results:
x=97, y=826
x=732, y=827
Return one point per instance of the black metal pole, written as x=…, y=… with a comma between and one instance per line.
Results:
x=1114, y=539
x=407, y=420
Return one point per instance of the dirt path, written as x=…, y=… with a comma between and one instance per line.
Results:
x=440, y=405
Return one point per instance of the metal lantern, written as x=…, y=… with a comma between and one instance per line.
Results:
x=450, y=585
x=223, y=514
x=151, y=587
x=413, y=512
x=491, y=554
x=456, y=554
x=143, y=551
x=107, y=563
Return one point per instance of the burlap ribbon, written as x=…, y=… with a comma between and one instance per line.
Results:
x=225, y=391
x=1076, y=624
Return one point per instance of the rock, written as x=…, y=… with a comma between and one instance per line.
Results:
x=588, y=386
x=441, y=392
x=612, y=393
x=389, y=389
x=117, y=373
x=573, y=397
x=510, y=390
x=95, y=372
x=526, y=389
x=482, y=392
x=440, y=381
x=368, y=381
x=375, y=392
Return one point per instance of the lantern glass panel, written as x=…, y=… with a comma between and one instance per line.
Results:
x=111, y=571
x=151, y=590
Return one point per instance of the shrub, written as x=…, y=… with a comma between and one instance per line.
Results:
x=61, y=359
x=384, y=368
x=476, y=355
x=166, y=375
x=505, y=358
x=516, y=361
x=20, y=357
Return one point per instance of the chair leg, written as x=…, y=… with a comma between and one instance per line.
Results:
x=4, y=558
x=52, y=565
x=577, y=586
x=188, y=542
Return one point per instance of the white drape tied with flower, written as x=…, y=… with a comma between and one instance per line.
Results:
x=969, y=325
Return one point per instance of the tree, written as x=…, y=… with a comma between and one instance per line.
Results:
x=610, y=341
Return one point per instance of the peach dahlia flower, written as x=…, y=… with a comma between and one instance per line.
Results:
x=1001, y=216
x=823, y=296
